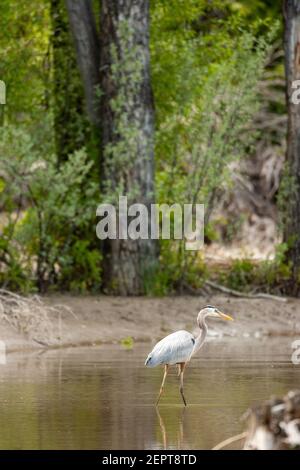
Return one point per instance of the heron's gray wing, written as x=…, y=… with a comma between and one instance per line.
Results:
x=172, y=349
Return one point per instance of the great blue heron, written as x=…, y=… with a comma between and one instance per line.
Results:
x=179, y=347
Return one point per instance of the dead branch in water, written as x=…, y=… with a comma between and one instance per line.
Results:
x=272, y=425
x=32, y=317
x=230, y=440
x=275, y=424
x=236, y=293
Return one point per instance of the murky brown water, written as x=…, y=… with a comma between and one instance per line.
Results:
x=102, y=398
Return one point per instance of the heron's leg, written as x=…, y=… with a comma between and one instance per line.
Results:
x=182, y=367
x=163, y=383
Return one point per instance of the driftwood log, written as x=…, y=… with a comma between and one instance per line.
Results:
x=272, y=425
x=275, y=425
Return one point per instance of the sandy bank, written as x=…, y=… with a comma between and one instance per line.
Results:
x=104, y=319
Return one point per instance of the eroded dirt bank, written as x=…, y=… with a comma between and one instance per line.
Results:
x=104, y=319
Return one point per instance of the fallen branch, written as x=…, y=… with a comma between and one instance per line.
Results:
x=272, y=425
x=236, y=293
x=194, y=291
x=230, y=440
x=32, y=317
x=275, y=424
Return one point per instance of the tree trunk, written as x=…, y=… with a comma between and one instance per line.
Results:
x=70, y=121
x=292, y=71
x=87, y=48
x=127, y=135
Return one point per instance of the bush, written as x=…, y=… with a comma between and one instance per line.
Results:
x=268, y=276
x=47, y=233
x=207, y=128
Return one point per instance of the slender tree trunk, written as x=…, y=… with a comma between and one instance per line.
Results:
x=70, y=121
x=127, y=134
x=87, y=48
x=292, y=71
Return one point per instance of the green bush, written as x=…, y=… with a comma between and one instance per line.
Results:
x=201, y=132
x=48, y=232
x=247, y=275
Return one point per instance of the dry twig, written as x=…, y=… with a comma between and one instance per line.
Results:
x=32, y=317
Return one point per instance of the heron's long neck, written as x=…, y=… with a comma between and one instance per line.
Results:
x=201, y=336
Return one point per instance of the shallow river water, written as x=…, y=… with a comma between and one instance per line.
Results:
x=103, y=397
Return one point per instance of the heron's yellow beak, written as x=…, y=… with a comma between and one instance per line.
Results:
x=226, y=317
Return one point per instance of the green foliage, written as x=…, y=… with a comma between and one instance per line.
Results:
x=241, y=274
x=24, y=59
x=50, y=218
x=206, y=58
x=177, y=269
x=199, y=144
x=13, y=274
x=223, y=229
x=277, y=272
x=247, y=275
x=205, y=117
x=127, y=342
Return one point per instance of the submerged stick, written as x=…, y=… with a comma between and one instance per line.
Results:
x=230, y=440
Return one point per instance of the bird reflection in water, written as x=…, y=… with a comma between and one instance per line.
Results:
x=172, y=434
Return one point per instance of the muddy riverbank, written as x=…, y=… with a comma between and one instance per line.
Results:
x=103, y=319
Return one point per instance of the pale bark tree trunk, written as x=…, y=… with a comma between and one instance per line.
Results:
x=87, y=48
x=292, y=71
x=120, y=62
x=127, y=134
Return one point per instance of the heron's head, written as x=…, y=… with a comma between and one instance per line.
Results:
x=211, y=311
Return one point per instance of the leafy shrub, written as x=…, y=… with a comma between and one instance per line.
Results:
x=49, y=227
x=205, y=129
x=249, y=275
